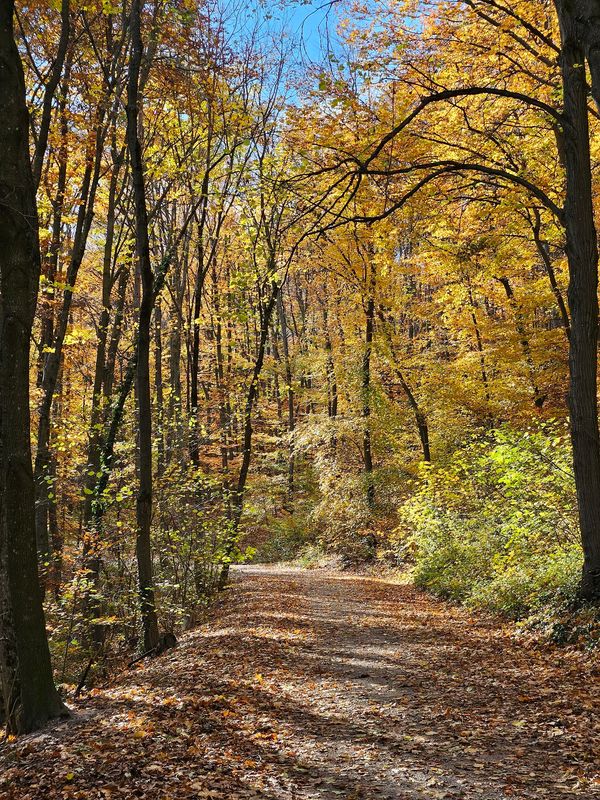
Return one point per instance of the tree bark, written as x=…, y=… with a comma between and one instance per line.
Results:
x=53, y=358
x=158, y=383
x=285, y=343
x=238, y=493
x=479, y=342
x=543, y=251
x=582, y=254
x=366, y=390
x=144, y=497
x=30, y=698
x=538, y=398
x=332, y=391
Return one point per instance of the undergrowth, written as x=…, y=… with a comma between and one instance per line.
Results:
x=496, y=526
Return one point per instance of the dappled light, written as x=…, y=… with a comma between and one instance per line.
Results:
x=316, y=685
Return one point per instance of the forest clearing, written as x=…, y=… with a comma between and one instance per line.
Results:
x=313, y=684
x=299, y=437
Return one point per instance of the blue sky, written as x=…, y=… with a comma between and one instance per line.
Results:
x=309, y=23
x=314, y=21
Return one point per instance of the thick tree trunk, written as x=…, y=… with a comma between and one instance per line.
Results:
x=30, y=698
x=144, y=498
x=582, y=254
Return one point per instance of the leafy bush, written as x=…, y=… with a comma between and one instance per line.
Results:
x=286, y=537
x=340, y=515
x=497, y=526
x=190, y=531
x=312, y=555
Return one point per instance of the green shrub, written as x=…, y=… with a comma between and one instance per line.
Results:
x=287, y=535
x=496, y=527
x=311, y=556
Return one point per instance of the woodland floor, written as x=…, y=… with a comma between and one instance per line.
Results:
x=323, y=685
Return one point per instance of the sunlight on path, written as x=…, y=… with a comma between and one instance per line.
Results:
x=311, y=685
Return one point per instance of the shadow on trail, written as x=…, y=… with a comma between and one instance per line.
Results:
x=308, y=687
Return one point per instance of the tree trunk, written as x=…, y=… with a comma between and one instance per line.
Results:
x=91, y=521
x=50, y=262
x=197, y=305
x=582, y=254
x=332, y=391
x=289, y=389
x=158, y=383
x=238, y=494
x=30, y=698
x=366, y=391
x=53, y=359
x=543, y=251
x=174, y=443
x=479, y=342
x=144, y=498
x=538, y=398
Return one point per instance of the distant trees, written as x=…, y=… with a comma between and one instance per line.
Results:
x=489, y=159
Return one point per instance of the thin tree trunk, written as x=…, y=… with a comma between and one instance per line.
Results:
x=479, y=342
x=238, y=493
x=289, y=389
x=54, y=356
x=174, y=409
x=366, y=390
x=49, y=92
x=144, y=498
x=116, y=333
x=50, y=262
x=420, y=416
x=220, y=372
x=103, y=375
x=542, y=249
x=332, y=391
x=158, y=383
x=538, y=398
x=196, y=307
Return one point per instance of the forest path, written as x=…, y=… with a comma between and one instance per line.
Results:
x=315, y=685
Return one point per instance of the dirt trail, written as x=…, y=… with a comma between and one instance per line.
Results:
x=308, y=685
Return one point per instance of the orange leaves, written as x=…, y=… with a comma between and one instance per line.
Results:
x=388, y=690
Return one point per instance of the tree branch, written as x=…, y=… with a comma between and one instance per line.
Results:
x=449, y=94
x=449, y=166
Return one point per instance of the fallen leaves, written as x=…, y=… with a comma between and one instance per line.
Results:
x=340, y=687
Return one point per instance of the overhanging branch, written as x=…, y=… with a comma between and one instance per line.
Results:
x=449, y=94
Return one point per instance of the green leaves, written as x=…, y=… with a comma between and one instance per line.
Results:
x=497, y=526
